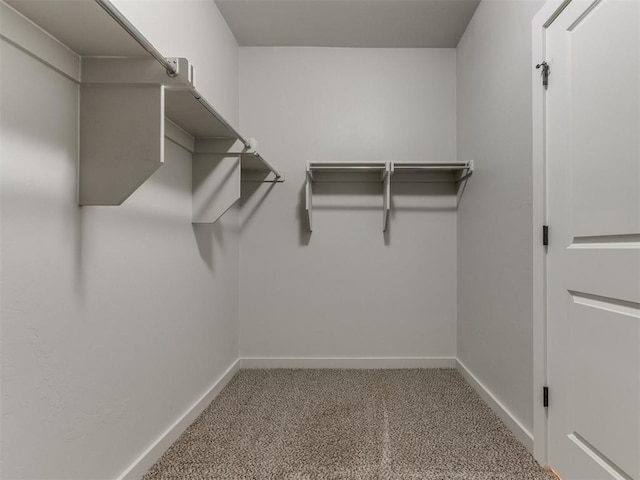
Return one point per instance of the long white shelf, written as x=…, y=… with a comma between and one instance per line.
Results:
x=383, y=172
x=127, y=89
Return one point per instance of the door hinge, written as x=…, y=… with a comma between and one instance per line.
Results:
x=545, y=235
x=545, y=397
x=546, y=71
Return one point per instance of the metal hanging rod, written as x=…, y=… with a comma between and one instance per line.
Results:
x=107, y=6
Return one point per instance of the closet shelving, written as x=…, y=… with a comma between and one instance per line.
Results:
x=345, y=171
x=130, y=97
x=463, y=169
x=385, y=173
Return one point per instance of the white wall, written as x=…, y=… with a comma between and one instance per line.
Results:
x=348, y=290
x=495, y=324
x=114, y=319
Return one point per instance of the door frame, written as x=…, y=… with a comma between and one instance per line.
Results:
x=543, y=19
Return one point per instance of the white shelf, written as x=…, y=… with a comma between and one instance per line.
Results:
x=347, y=167
x=186, y=111
x=384, y=172
x=424, y=171
x=127, y=89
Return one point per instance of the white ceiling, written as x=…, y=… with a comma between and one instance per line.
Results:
x=348, y=23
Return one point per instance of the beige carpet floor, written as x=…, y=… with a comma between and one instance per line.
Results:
x=347, y=424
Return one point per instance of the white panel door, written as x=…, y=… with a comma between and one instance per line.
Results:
x=593, y=152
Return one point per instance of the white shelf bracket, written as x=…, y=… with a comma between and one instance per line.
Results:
x=122, y=119
x=121, y=140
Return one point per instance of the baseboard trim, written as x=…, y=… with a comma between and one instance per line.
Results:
x=348, y=362
x=157, y=448
x=519, y=430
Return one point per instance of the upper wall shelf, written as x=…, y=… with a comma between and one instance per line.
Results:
x=127, y=89
x=347, y=166
x=383, y=172
x=466, y=167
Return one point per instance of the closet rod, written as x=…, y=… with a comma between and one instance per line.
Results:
x=108, y=7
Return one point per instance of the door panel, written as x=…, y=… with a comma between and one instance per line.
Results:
x=604, y=120
x=604, y=339
x=605, y=271
x=593, y=185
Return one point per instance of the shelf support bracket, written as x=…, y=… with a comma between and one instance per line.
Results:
x=121, y=140
x=122, y=121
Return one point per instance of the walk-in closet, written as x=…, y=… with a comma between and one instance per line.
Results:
x=320, y=239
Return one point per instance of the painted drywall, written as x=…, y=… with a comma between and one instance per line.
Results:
x=347, y=289
x=115, y=320
x=495, y=320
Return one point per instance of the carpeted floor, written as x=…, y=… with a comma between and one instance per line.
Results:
x=347, y=424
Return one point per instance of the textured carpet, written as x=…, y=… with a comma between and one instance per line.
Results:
x=347, y=424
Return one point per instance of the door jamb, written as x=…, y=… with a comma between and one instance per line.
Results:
x=543, y=19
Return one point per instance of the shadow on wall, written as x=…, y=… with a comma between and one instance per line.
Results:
x=248, y=204
x=208, y=236
x=222, y=183
x=304, y=234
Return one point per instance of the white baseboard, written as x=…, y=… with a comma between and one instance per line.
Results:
x=157, y=448
x=519, y=430
x=348, y=362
